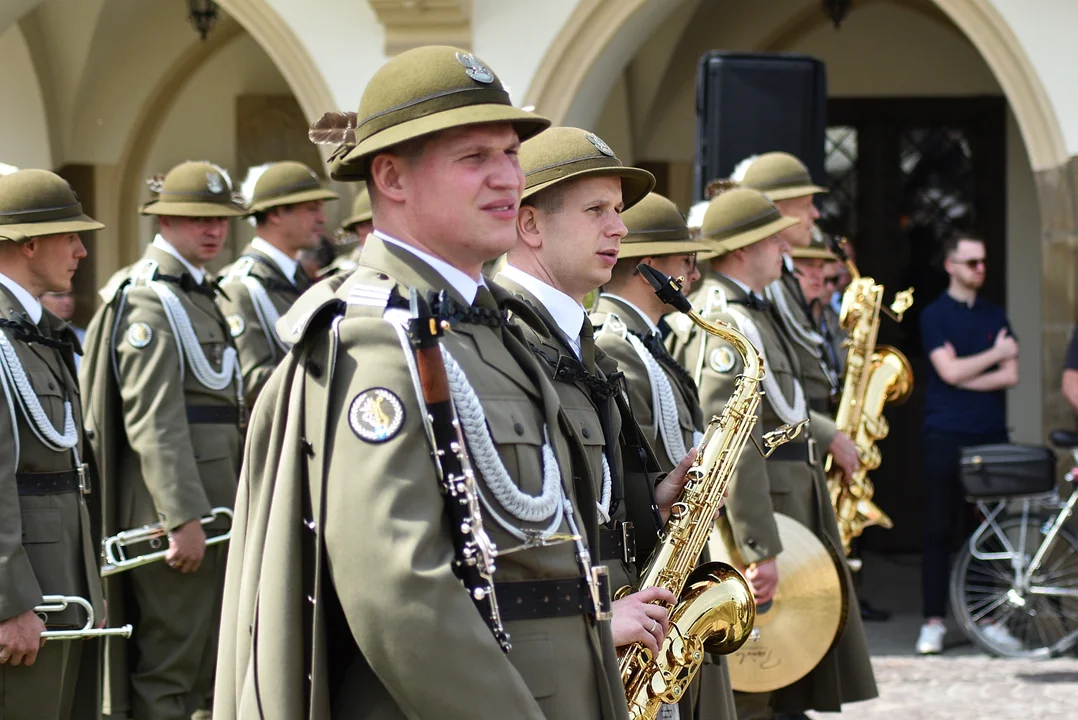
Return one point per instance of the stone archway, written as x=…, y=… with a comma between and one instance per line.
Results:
x=597, y=41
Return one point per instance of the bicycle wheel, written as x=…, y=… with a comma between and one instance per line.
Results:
x=984, y=592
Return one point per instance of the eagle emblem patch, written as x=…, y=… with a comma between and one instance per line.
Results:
x=599, y=144
x=721, y=360
x=376, y=415
x=475, y=68
x=139, y=335
x=236, y=326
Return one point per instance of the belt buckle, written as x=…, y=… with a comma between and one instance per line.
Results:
x=628, y=540
x=599, y=586
x=813, y=457
x=84, y=478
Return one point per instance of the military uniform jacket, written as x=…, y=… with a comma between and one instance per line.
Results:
x=343, y=264
x=615, y=322
x=383, y=542
x=47, y=541
x=761, y=487
x=820, y=376
x=255, y=294
x=631, y=486
x=155, y=465
x=710, y=696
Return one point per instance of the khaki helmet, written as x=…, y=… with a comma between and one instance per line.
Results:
x=738, y=218
x=282, y=183
x=780, y=176
x=193, y=189
x=417, y=93
x=656, y=227
x=361, y=208
x=36, y=203
x=565, y=153
x=816, y=249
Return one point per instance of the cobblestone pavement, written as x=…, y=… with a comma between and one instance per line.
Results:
x=961, y=683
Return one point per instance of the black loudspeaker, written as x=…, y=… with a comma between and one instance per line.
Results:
x=752, y=103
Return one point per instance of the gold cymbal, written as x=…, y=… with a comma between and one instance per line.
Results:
x=803, y=620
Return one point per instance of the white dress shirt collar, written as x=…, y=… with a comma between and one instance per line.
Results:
x=458, y=279
x=567, y=313
x=285, y=263
x=30, y=304
x=634, y=308
x=165, y=246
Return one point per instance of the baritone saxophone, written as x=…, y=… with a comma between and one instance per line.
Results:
x=715, y=611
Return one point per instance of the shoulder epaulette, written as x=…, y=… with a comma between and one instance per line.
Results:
x=609, y=323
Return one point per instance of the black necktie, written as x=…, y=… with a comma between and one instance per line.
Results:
x=587, y=345
x=654, y=343
x=300, y=279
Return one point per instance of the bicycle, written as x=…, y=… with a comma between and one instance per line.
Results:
x=1019, y=570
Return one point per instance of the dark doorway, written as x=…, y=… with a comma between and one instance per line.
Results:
x=904, y=173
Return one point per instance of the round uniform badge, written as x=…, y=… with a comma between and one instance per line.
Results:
x=600, y=145
x=721, y=360
x=139, y=335
x=475, y=68
x=236, y=325
x=376, y=415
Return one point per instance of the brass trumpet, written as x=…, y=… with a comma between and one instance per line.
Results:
x=59, y=603
x=116, y=560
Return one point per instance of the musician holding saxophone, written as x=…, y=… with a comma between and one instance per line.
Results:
x=662, y=395
x=163, y=395
x=747, y=228
x=47, y=539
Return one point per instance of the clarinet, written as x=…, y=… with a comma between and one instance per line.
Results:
x=474, y=550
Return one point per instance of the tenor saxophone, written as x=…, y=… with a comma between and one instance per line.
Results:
x=875, y=376
x=715, y=607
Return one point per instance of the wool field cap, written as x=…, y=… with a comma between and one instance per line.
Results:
x=780, y=176
x=193, y=189
x=656, y=227
x=740, y=217
x=417, y=93
x=36, y=203
x=282, y=183
x=361, y=208
x=566, y=153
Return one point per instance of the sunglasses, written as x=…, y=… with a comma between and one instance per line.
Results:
x=831, y=280
x=972, y=263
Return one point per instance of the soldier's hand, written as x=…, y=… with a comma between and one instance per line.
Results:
x=845, y=454
x=669, y=490
x=763, y=579
x=20, y=639
x=637, y=620
x=186, y=547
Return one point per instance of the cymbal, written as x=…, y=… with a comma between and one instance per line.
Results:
x=801, y=623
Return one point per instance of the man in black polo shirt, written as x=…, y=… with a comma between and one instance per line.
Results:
x=974, y=359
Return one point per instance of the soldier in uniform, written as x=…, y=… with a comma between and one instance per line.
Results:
x=342, y=548
x=662, y=394
x=163, y=396
x=352, y=234
x=285, y=200
x=48, y=543
x=811, y=264
x=748, y=229
x=570, y=231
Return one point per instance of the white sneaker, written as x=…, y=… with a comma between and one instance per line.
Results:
x=930, y=641
x=1001, y=637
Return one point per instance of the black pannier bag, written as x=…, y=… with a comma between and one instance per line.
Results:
x=1007, y=469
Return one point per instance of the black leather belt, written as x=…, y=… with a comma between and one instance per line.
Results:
x=50, y=483
x=539, y=599
x=213, y=415
x=796, y=452
x=618, y=543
